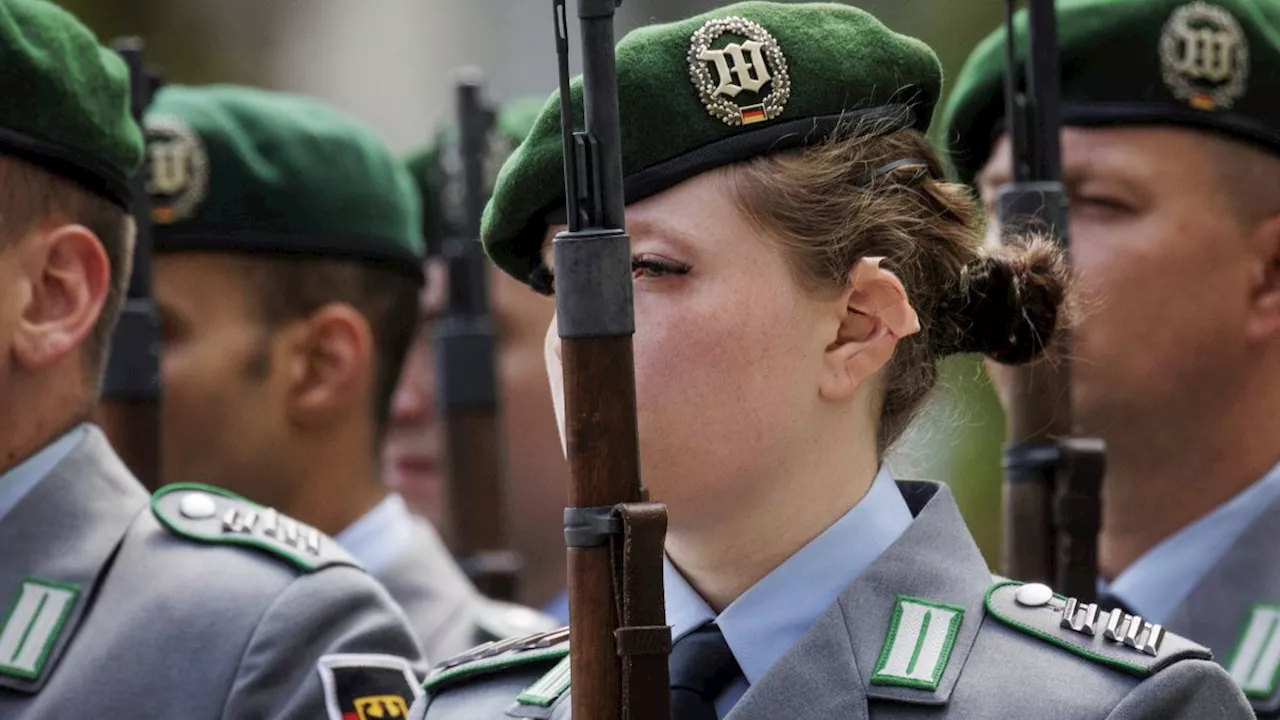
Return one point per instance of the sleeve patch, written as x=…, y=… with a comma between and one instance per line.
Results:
x=367, y=687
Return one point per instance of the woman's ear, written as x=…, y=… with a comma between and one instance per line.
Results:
x=874, y=314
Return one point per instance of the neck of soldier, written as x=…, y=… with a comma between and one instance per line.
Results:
x=723, y=551
x=1164, y=473
x=37, y=410
x=337, y=479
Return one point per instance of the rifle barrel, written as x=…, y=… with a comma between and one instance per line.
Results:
x=1052, y=479
x=613, y=591
x=468, y=372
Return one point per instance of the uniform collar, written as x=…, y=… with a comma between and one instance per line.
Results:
x=934, y=560
x=776, y=612
x=62, y=536
x=378, y=538
x=1157, y=583
x=18, y=480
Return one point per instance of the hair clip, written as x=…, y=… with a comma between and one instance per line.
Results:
x=921, y=166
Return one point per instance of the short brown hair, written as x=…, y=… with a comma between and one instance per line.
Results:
x=287, y=288
x=30, y=196
x=832, y=204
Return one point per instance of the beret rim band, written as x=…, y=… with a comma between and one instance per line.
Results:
x=765, y=141
x=1237, y=126
x=1232, y=126
x=78, y=167
x=372, y=249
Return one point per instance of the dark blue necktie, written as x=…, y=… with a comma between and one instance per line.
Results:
x=702, y=667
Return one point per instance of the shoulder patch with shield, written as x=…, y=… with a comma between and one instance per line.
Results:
x=367, y=687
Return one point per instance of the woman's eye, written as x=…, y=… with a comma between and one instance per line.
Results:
x=649, y=266
x=543, y=281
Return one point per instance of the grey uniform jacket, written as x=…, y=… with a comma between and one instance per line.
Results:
x=447, y=612
x=109, y=613
x=1235, y=611
x=993, y=653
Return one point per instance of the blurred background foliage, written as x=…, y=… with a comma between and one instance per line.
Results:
x=390, y=63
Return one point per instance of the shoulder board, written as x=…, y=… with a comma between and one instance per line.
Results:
x=501, y=620
x=1115, y=639
x=212, y=515
x=497, y=656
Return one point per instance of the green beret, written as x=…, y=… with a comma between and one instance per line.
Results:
x=433, y=170
x=1206, y=65
x=246, y=170
x=68, y=108
x=741, y=81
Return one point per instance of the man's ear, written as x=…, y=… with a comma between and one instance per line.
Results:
x=1264, y=307
x=69, y=278
x=332, y=366
x=874, y=314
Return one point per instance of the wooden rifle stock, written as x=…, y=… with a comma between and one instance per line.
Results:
x=468, y=372
x=1052, y=479
x=130, y=408
x=620, y=640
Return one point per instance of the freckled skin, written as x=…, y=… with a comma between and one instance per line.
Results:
x=725, y=356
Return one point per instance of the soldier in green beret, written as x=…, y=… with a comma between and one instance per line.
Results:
x=800, y=266
x=114, y=604
x=288, y=268
x=536, y=466
x=1170, y=155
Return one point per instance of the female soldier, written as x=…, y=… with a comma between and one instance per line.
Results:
x=800, y=266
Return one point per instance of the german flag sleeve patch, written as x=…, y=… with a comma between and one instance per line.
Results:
x=367, y=687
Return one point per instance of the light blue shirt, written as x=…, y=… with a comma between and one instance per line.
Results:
x=376, y=539
x=771, y=616
x=1155, y=584
x=17, y=482
x=558, y=608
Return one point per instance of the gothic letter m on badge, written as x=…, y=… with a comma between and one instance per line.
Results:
x=751, y=75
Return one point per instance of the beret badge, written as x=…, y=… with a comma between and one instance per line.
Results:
x=177, y=169
x=731, y=79
x=1204, y=56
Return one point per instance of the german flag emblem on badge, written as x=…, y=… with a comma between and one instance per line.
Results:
x=753, y=114
x=367, y=687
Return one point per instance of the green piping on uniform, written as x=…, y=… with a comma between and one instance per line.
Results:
x=54, y=633
x=879, y=677
x=549, y=687
x=1256, y=693
x=1134, y=668
x=489, y=665
x=225, y=539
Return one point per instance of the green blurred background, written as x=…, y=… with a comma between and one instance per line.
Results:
x=390, y=63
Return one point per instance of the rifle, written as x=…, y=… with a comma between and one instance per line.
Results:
x=465, y=348
x=1052, y=478
x=130, y=408
x=617, y=618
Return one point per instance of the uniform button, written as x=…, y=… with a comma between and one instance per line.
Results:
x=1033, y=595
x=198, y=506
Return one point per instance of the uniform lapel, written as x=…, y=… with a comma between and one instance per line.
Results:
x=901, y=631
x=57, y=543
x=1235, y=611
